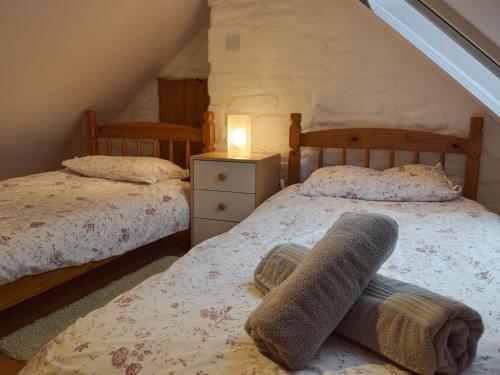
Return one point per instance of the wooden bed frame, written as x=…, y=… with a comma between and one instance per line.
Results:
x=388, y=139
x=22, y=300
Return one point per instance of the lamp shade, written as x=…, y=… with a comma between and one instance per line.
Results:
x=238, y=135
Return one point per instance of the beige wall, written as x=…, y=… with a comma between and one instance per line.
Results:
x=62, y=57
x=339, y=65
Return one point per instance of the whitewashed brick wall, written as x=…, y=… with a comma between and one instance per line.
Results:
x=339, y=65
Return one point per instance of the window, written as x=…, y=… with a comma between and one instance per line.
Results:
x=477, y=73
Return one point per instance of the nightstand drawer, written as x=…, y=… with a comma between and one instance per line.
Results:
x=205, y=228
x=224, y=176
x=221, y=205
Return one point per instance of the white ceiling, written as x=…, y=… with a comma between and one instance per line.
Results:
x=62, y=57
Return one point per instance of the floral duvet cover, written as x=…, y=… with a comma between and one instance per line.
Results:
x=189, y=319
x=59, y=219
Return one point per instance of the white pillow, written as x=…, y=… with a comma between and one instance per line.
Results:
x=126, y=168
x=409, y=183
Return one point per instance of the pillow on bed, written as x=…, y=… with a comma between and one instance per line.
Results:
x=126, y=168
x=409, y=183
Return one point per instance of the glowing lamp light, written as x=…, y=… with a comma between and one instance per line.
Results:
x=238, y=135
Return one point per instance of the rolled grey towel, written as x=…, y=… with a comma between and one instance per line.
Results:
x=414, y=327
x=277, y=265
x=296, y=317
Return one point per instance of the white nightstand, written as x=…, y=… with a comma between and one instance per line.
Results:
x=225, y=190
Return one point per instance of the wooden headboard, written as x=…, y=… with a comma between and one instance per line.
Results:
x=150, y=132
x=388, y=139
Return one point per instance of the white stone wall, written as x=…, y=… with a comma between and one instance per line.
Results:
x=339, y=65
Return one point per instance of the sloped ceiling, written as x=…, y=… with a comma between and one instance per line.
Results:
x=62, y=57
x=476, y=20
x=482, y=14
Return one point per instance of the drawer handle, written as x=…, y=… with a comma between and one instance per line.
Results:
x=221, y=176
x=221, y=206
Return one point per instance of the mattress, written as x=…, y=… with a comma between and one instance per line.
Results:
x=189, y=319
x=58, y=219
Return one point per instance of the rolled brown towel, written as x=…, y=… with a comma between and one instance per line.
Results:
x=414, y=327
x=296, y=317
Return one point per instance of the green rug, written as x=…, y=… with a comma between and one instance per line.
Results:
x=23, y=344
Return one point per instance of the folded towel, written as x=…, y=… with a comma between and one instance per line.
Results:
x=296, y=317
x=277, y=265
x=416, y=328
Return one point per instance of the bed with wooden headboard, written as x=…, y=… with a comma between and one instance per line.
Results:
x=388, y=139
x=32, y=296
x=448, y=247
x=151, y=133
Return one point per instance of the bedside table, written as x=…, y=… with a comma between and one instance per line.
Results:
x=225, y=190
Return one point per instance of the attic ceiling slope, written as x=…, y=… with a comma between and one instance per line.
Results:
x=60, y=58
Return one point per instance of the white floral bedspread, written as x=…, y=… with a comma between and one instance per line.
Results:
x=189, y=319
x=58, y=219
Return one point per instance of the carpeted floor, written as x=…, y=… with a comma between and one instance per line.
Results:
x=24, y=343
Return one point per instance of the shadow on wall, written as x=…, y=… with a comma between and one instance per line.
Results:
x=76, y=143
x=59, y=61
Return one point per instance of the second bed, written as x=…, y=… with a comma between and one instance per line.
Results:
x=56, y=226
